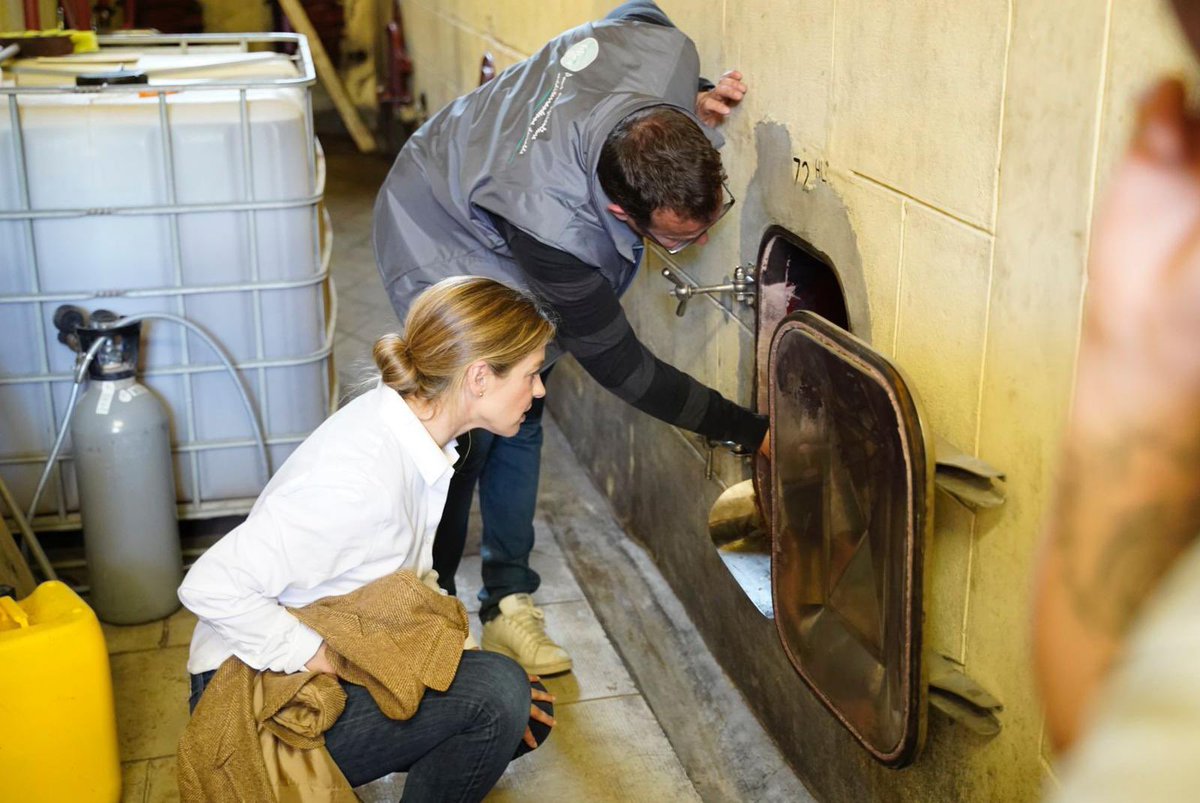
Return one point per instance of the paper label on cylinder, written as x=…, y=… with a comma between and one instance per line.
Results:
x=106, y=397
x=130, y=393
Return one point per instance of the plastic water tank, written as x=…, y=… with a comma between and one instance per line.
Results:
x=196, y=194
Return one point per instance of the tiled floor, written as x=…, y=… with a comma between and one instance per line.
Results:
x=608, y=746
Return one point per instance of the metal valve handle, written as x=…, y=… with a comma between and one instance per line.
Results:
x=680, y=291
x=742, y=287
x=733, y=447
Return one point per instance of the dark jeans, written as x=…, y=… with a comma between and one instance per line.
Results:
x=454, y=748
x=507, y=470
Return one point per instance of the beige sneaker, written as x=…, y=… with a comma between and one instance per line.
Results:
x=520, y=633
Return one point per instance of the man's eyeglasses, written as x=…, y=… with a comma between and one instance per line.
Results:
x=679, y=245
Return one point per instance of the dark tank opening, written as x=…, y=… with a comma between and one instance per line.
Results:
x=802, y=278
x=791, y=276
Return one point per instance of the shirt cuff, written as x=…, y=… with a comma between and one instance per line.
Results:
x=305, y=643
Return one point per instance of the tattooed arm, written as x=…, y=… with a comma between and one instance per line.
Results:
x=1128, y=501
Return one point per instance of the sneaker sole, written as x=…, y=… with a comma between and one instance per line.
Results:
x=552, y=668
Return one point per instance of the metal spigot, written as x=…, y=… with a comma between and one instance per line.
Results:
x=733, y=447
x=742, y=287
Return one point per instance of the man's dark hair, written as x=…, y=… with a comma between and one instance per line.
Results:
x=658, y=158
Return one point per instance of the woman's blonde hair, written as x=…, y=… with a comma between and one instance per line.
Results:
x=455, y=323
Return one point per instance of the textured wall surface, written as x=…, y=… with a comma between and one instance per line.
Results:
x=962, y=146
x=12, y=15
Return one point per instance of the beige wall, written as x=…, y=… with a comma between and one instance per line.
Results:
x=236, y=16
x=362, y=33
x=966, y=140
x=12, y=14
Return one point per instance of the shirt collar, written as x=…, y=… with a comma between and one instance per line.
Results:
x=432, y=460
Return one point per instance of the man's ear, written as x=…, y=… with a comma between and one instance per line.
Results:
x=618, y=213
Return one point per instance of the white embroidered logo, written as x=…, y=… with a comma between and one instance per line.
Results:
x=541, y=118
x=580, y=55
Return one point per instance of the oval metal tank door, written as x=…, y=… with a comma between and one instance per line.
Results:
x=851, y=480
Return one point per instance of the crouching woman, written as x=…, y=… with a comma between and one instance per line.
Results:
x=357, y=502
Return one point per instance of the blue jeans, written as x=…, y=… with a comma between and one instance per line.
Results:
x=455, y=747
x=507, y=471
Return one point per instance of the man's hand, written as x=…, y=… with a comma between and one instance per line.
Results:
x=320, y=662
x=713, y=106
x=537, y=713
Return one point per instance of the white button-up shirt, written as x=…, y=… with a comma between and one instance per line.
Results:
x=360, y=498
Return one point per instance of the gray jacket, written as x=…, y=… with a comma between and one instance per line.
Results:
x=502, y=183
x=524, y=147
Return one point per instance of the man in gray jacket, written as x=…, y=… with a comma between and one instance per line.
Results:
x=548, y=178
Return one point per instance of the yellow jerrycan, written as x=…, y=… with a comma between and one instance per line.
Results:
x=59, y=740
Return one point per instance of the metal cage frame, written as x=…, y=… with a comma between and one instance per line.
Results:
x=190, y=446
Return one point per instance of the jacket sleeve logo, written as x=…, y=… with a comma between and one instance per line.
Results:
x=580, y=55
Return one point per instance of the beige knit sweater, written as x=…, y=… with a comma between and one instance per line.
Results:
x=258, y=736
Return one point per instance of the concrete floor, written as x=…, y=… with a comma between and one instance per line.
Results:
x=648, y=670
x=607, y=746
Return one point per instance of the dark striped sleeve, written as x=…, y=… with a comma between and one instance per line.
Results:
x=594, y=329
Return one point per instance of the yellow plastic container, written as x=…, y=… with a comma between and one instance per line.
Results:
x=58, y=741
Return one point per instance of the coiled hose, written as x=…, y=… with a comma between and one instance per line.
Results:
x=81, y=367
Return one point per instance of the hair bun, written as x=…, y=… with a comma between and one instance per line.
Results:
x=393, y=357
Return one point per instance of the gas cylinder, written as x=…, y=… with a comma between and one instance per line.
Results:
x=126, y=479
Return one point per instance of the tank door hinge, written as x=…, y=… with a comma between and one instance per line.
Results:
x=969, y=480
x=962, y=699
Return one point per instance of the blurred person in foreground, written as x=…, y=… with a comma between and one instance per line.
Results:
x=1117, y=598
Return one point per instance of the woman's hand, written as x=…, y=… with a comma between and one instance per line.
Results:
x=537, y=713
x=320, y=662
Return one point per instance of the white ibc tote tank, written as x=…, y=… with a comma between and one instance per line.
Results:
x=196, y=193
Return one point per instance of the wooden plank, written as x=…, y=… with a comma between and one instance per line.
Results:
x=362, y=135
x=14, y=571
